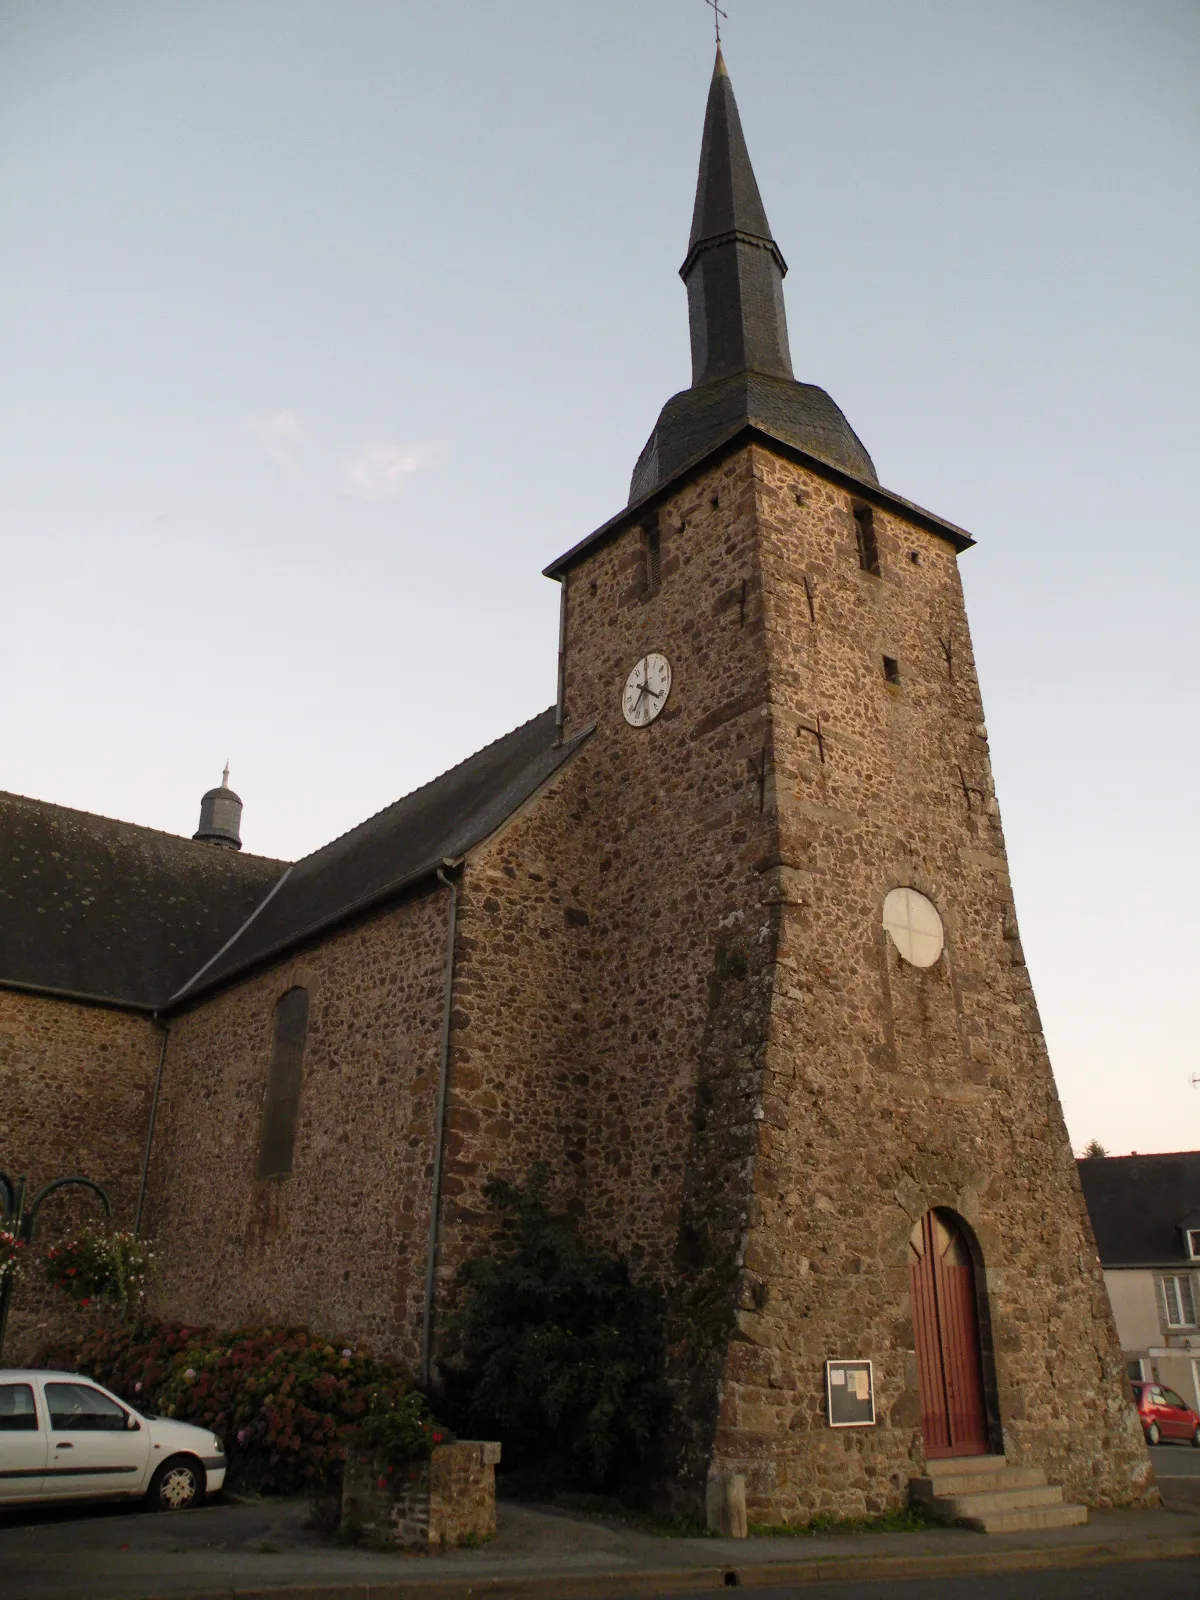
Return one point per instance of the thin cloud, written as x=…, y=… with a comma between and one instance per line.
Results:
x=279, y=434
x=378, y=470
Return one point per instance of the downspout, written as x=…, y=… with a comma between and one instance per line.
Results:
x=439, y=1132
x=158, y=1077
x=561, y=703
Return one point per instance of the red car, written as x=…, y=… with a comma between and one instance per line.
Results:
x=1165, y=1414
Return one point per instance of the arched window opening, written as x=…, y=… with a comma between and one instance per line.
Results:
x=281, y=1103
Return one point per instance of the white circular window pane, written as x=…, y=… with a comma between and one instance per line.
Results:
x=914, y=925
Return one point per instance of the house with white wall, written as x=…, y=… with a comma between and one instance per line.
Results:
x=1145, y=1213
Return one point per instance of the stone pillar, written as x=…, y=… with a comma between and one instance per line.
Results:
x=725, y=1502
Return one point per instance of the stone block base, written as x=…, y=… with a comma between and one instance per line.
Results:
x=430, y=1505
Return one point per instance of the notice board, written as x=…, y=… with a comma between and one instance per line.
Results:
x=850, y=1394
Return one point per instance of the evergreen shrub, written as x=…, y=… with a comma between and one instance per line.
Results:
x=558, y=1354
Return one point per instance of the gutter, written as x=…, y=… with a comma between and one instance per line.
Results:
x=19, y=986
x=439, y=1132
x=150, y=1126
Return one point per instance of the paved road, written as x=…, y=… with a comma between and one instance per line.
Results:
x=112, y=1553
x=1139, y=1580
x=1176, y=1461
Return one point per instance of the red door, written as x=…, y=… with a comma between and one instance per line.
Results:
x=946, y=1327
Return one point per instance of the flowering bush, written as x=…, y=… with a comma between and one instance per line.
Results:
x=282, y=1399
x=101, y=1265
x=11, y=1249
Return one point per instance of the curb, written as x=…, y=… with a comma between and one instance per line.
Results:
x=706, y=1580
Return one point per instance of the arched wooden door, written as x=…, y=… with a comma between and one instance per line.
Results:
x=946, y=1327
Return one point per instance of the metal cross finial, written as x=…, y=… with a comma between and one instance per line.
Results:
x=717, y=15
x=225, y=775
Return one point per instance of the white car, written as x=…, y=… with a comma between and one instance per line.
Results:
x=63, y=1437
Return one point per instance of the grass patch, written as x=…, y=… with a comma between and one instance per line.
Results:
x=906, y=1519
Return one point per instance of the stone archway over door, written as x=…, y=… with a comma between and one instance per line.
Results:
x=946, y=1328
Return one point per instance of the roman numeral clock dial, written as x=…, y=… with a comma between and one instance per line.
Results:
x=646, y=690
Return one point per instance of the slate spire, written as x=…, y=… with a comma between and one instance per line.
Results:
x=734, y=269
x=741, y=366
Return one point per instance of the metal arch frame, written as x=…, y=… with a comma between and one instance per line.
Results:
x=23, y=1221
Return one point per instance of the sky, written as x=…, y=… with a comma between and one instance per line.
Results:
x=325, y=327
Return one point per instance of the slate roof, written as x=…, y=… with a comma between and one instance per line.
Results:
x=694, y=421
x=1139, y=1203
x=95, y=909
x=112, y=911
x=394, y=850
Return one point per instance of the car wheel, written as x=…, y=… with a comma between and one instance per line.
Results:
x=1153, y=1434
x=177, y=1485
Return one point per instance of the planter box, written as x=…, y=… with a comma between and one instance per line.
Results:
x=431, y=1505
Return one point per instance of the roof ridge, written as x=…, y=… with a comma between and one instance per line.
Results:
x=428, y=784
x=141, y=827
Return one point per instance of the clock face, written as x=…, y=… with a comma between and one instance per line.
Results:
x=646, y=690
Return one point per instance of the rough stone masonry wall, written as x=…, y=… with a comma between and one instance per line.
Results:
x=75, y=1084
x=681, y=943
x=340, y=1242
x=890, y=1089
x=518, y=1071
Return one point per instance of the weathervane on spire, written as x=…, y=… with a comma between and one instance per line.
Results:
x=717, y=15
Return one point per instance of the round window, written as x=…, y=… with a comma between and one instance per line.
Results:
x=914, y=925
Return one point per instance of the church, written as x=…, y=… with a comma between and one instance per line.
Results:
x=725, y=936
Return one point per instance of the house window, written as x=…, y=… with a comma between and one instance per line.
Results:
x=281, y=1104
x=1192, y=1239
x=868, y=547
x=1179, y=1302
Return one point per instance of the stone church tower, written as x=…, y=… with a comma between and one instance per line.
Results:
x=819, y=1086
x=726, y=938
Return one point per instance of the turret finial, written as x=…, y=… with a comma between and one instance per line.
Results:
x=225, y=775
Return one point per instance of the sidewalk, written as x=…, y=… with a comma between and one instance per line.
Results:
x=265, y=1550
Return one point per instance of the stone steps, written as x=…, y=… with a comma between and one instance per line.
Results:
x=1064, y=1516
x=999, y=1478
x=984, y=1492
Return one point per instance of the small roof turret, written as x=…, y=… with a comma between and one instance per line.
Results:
x=221, y=816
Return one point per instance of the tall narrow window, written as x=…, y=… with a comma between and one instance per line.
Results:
x=281, y=1104
x=653, y=556
x=868, y=547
